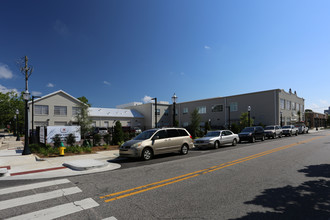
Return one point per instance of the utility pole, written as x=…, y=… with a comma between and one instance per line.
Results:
x=27, y=71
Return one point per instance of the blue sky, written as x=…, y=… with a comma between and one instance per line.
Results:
x=116, y=52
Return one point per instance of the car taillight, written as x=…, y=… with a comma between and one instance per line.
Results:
x=190, y=137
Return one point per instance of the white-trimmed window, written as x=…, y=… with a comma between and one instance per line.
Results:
x=293, y=106
x=297, y=107
x=185, y=110
x=217, y=108
x=233, y=107
x=288, y=105
x=201, y=109
x=282, y=104
x=60, y=110
x=76, y=111
x=41, y=109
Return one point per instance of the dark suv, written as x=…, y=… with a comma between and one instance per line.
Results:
x=252, y=134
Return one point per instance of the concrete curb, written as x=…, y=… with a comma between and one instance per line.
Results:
x=86, y=164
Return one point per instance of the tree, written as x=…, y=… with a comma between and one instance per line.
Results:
x=9, y=102
x=195, y=122
x=118, y=134
x=84, y=100
x=207, y=126
x=244, y=120
x=83, y=120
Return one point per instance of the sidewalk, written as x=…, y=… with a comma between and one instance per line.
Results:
x=14, y=165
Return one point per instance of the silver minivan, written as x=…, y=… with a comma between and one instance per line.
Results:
x=157, y=141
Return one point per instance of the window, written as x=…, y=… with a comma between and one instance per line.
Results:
x=166, y=112
x=217, y=108
x=288, y=105
x=201, y=109
x=172, y=133
x=182, y=132
x=293, y=106
x=185, y=111
x=60, y=110
x=41, y=109
x=297, y=107
x=161, y=134
x=106, y=124
x=76, y=111
x=158, y=111
x=282, y=103
x=185, y=124
x=233, y=107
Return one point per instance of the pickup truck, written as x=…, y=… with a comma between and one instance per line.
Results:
x=289, y=130
x=302, y=129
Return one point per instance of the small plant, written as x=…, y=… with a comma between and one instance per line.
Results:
x=87, y=149
x=57, y=140
x=97, y=139
x=126, y=136
x=71, y=139
x=107, y=138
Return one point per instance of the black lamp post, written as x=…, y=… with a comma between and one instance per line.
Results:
x=155, y=111
x=33, y=136
x=249, y=120
x=174, y=98
x=26, y=151
x=281, y=118
x=17, y=129
x=228, y=117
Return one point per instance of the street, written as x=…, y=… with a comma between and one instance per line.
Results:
x=284, y=178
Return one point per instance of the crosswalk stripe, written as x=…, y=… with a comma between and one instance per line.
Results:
x=32, y=186
x=38, y=197
x=59, y=211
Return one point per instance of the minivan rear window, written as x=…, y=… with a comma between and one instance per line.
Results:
x=172, y=133
x=182, y=132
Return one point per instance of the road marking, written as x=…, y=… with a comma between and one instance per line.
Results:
x=110, y=218
x=59, y=211
x=32, y=186
x=144, y=188
x=38, y=197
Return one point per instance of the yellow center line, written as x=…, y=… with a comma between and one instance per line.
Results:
x=180, y=178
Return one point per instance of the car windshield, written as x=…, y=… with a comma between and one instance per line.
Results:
x=286, y=126
x=248, y=129
x=269, y=128
x=145, y=135
x=213, y=134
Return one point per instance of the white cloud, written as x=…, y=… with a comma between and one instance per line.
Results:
x=61, y=28
x=5, y=72
x=147, y=99
x=207, y=47
x=4, y=89
x=35, y=93
x=50, y=85
x=106, y=83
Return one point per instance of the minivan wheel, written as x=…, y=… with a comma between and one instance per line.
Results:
x=216, y=145
x=253, y=139
x=147, y=154
x=234, y=142
x=184, y=149
x=263, y=138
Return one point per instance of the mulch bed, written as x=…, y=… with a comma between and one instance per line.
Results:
x=94, y=150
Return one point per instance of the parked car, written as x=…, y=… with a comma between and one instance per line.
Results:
x=289, y=130
x=137, y=130
x=273, y=131
x=252, y=134
x=100, y=130
x=302, y=128
x=157, y=141
x=217, y=138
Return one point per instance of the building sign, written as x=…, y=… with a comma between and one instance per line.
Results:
x=42, y=135
x=63, y=132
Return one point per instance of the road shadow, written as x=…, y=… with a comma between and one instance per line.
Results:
x=310, y=200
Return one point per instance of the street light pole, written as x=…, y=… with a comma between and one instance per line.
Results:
x=174, y=98
x=249, y=120
x=17, y=130
x=155, y=111
x=33, y=136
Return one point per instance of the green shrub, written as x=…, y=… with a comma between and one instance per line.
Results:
x=70, y=139
x=235, y=128
x=107, y=138
x=126, y=136
x=87, y=149
x=118, y=134
x=97, y=139
x=57, y=140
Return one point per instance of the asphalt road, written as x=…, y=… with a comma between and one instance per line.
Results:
x=287, y=178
